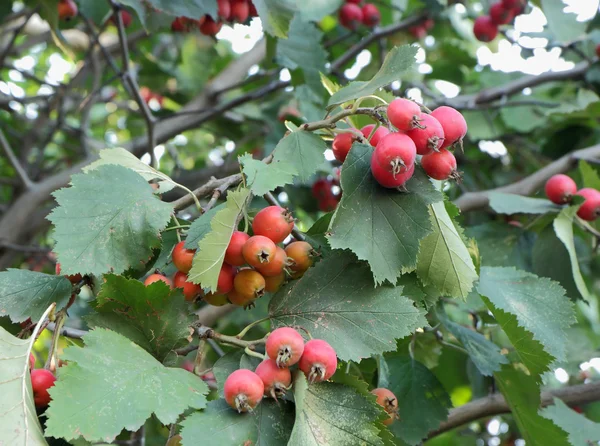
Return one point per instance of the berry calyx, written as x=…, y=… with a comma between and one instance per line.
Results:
x=560, y=189
x=301, y=255
x=152, y=278
x=377, y=135
x=209, y=27
x=590, y=209
x=387, y=179
x=275, y=266
x=484, y=29
x=319, y=361
x=453, y=123
x=216, y=300
x=351, y=16
x=273, y=222
x=190, y=290
x=273, y=283
x=427, y=139
x=440, y=165
x=500, y=15
x=404, y=114
x=341, y=145
x=371, y=15
x=41, y=381
x=73, y=278
x=67, y=9
x=389, y=402
x=276, y=380
x=395, y=153
x=243, y=390
x=258, y=250
x=233, y=253
x=225, y=280
x=249, y=284
x=183, y=257
x=285, y=346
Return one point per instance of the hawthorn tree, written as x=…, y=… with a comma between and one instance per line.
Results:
x=351, y=233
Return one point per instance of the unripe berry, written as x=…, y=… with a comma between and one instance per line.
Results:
x=427, y=139
x=379, y=133
x=243, y=390
x=351, y=16
x=387, y=179
x=590, y=209
x=453, y=123
x=67, y=9
x=73, y=278
x=249, y=284
x=484, y=29
x=276, y=380
x=258, y=250
x=285, y=346
x=500, y=15
x=273, y=283
x=395, y=153
x=341, y=145
x=209, y=27
x=216, y=300
x=560, y=189
x=389, y=402
x=371, y=14
x=240, y=10
x=404, y=114
x=158, y=278
x=319, y=361
x=233, y=253
x=440, y=165
x=183, y=257
x=41, y=381
x=190, y=290
x=273, y=222
x=225, y=280
x=301, y=255
x=275, y=266
x=223, y=9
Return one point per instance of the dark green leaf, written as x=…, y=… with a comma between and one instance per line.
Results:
x=517, y=204
x=304, y=151
x=263, y=178
x=502, y=244
x=200, y=227
x=582, y=432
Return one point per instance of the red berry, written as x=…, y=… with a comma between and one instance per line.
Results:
x=371, y=14
x=276, y=380
x=351, y=16
x=243, y=390
x=183, y=257
x=273, y=283
x=31, y=362
x=389, y=402
x=216, y=300
x=560, y=189
x=341, y=145
x=73, y=278
x=253, y=11
x=328, y=204
x=417, y=31
x=275, y=266
x=181, y=25
x=321, y=188
x=240, y=11
x=301, y=255
x=511, y=4
x=209, y=27
x=319, y=361
x=395, y=153
x=258, y=250
x=285, y=346
x=387, y=179
x=590, y=209
x=190, y=290
x=225, y=280
x=67, y=9
x=428, y=24
x=500, y=15
x=224, y=9
x=233, y=253
x=125, y=17
x=440, y=165
x=484, y=29
x=356, y=2
x=41, y=381
x=379, y=133
x=156, y=278
x=598, y=50
x=453, y=123
x=429, y=138
x=404, y=114
x=249, y=285
x=273, y=222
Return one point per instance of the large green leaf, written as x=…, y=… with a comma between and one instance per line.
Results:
x=154, y=317
x=562, y=24
x=304, y=151
x=422, y=401
x=382, y=226
x=539, y=304
x=581, y=431
x=262, y=178
x=26, y=294
x=211, y=249
x=332, y=414
x=336, y=301
x=397, y=62
x=444, y=260
x=270, y=424
x=113, y=384
x=107, y=221
x=518, y=204
x=200, y=227
x=275, y=15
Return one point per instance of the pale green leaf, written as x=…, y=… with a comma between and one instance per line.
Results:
x=589, y=175
x=200, y=227
x=302, y=49
x=275, y=15
x=517, y=204
x=562, y=21
x=262, y=178
x=302, y=150
x=315, y=10
x=581, y=431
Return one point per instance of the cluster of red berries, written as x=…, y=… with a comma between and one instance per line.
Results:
x=352, y=14
x=67, y=10
x=41, y=381
x=232, y=11
x=252, y=266
x=502, y=12
x=429, y=135
x=560, y=190
x=419, y=31
x=327, y=192
x=285, y=347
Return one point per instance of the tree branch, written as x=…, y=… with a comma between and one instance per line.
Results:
x=23, y=177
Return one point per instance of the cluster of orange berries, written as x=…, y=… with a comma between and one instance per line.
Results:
x=231, y=11
x=502, y=12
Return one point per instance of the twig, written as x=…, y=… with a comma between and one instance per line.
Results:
x=73, y=333
x=24, y=248
x=16, y=33
x=208, y=333
x=27, y=183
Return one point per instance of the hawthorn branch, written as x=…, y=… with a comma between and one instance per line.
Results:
x=23, y=177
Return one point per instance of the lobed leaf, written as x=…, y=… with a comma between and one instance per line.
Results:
x=517, y=204
x=581, y=431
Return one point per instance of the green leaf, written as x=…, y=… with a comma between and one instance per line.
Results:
x=422, y=401
x=189, y=8
x=263, y=178
x=397, y=62
x=231, y=362
x=444, y=260
x=581, y=431
x=200, y=227
x=332, y=414
x=94, y=10
x=315, y=10
x=19, y=423
x=589, y=175
x=26, y=294
x=211, y=249
x=563, y=24
x=539, y=304
x=107, y=221
x=335, y=301
x=501, y=244
x=522, y=394
x=275, y=15
x=382, y=226
x=524, y=118
x=304, y=151
x=87, y=399
x=154, y=317
x=270, y=424
x=517, y=204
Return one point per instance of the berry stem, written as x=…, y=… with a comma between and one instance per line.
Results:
x=250, y=352
x=248, y=327
x=208, y=333
x=61, y=317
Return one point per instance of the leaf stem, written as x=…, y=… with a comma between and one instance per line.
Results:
x=247, y=328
